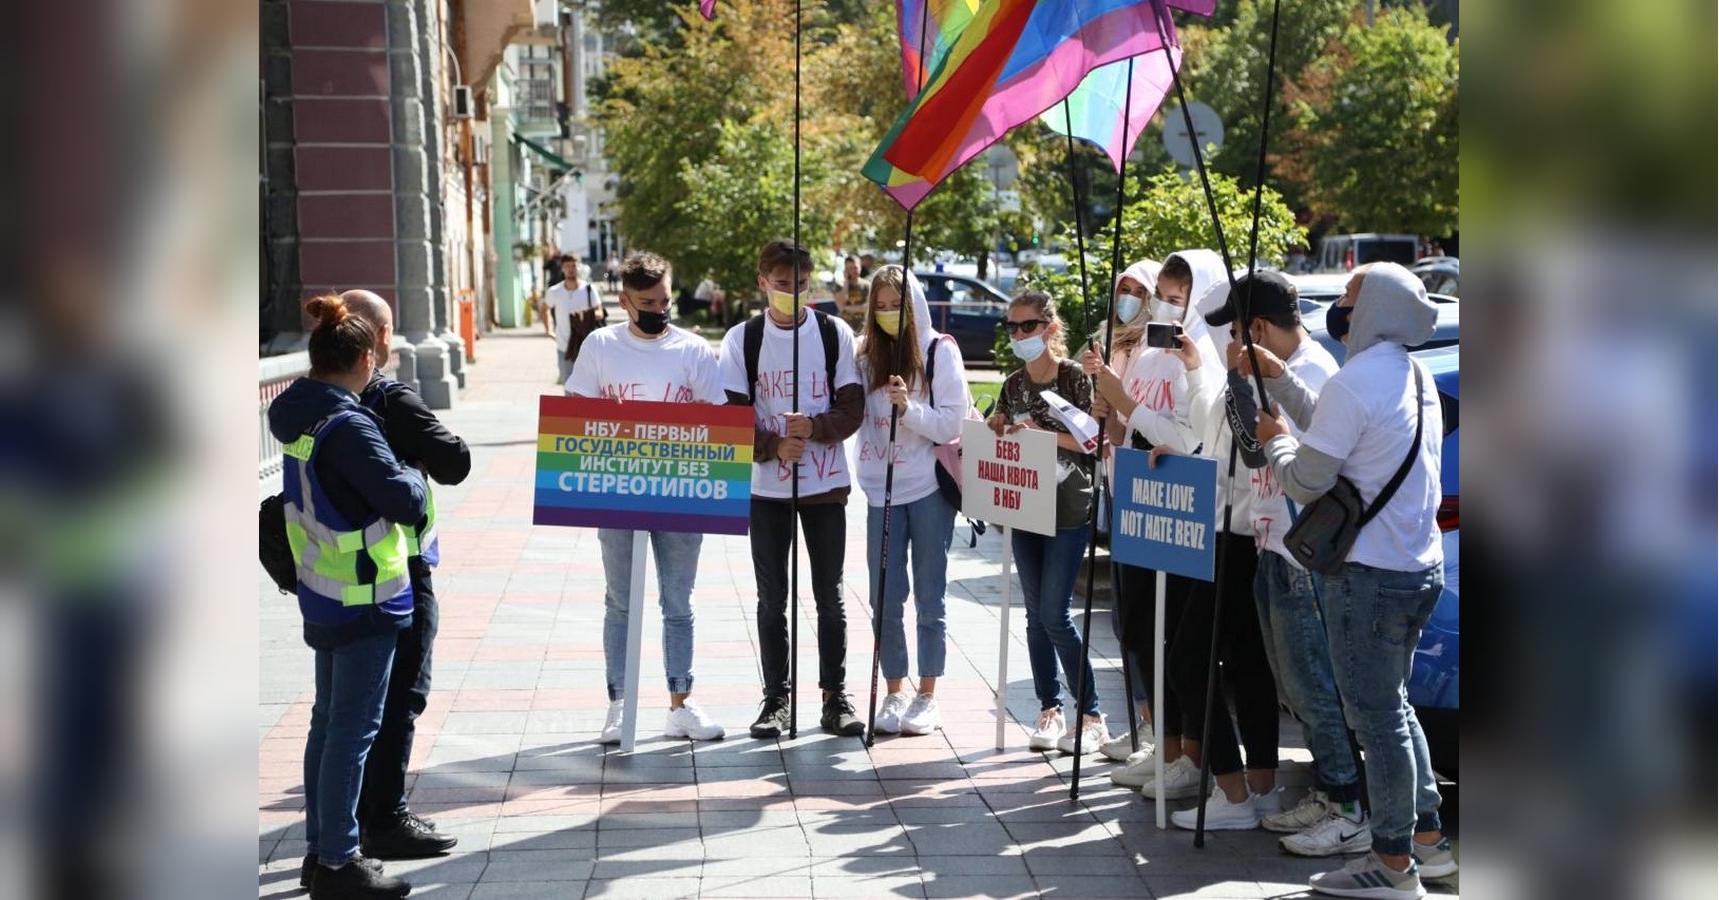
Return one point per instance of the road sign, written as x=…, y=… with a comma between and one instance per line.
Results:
x=1207, y=126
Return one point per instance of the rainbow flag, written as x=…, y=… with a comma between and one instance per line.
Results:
x=1013, y=60
x=707, y=8
x=946, y=19
x=1096, y=106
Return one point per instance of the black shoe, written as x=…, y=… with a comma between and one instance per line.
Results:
x=308, y=868
x=839, y=717
x=360, y=879
x=408, y=837
x=772, y=718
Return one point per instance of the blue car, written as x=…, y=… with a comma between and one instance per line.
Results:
x=967, y=309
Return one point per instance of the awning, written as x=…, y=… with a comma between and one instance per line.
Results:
x=550, y=156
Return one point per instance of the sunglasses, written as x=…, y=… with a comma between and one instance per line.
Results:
x=1027, y=327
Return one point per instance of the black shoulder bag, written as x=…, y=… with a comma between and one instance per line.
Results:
x=1325, y=532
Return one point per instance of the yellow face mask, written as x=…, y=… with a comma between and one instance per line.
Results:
x=783, y=302
x=888, y=320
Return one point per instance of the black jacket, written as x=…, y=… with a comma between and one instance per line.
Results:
x=414, y=433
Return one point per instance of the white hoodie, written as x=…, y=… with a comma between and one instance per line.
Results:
x=922, y=425
x=1161, y=415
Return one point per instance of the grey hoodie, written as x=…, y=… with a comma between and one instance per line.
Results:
x=1390, y=308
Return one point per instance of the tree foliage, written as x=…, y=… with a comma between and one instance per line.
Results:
x=1374, y=133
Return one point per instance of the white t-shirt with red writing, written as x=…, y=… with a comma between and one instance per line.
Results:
x=823, y=467
x=1314, y=365
x=676, y=367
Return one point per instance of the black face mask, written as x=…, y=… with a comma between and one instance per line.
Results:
x=652, y=323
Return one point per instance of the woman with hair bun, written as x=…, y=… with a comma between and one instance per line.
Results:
x=346, y=497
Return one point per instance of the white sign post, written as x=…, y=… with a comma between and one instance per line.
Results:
x=1158, y=651
x=1008, y=481
x=635, y=640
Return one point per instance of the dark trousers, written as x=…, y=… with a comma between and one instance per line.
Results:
x=383, y=800
x=1243, y=666
x=1135, y=608
x=824, y=526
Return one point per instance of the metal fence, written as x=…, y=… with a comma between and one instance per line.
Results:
x=274, y=374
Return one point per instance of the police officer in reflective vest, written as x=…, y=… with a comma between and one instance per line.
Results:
x=388, y=830
x=351, y=508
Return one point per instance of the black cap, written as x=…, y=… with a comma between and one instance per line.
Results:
x=1272, y=295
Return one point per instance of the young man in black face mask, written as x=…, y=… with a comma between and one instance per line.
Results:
x=646, y=358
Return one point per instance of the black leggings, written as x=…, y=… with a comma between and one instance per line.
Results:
x=1134, y=607
x=1244, y=669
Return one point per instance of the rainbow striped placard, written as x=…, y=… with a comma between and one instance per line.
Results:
x=641, y=465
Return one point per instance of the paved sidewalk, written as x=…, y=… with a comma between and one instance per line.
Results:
x=506, y=757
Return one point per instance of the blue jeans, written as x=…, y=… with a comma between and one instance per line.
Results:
x=1300, y=656
x=1375, y=617
x=1048, y=568
x=351, y=685
x=677, y=562
x=925, y=527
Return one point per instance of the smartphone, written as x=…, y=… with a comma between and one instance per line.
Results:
x=1167, y=335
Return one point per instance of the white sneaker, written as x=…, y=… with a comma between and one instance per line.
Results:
x=1221, y=814
x=1332, y=835
x=1121, y=748
x=1139, y=769
x=921, y=716
x=1313, y=809
x=690, y=722
x=1181, y=780
x=1269, y=803
x=889, y=716
x=1047, y=732
x=1435, y=860
x=612, y=724
x=1093, y=735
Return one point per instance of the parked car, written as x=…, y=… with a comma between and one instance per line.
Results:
x=967, y=309
x=1343, y=252
x=1434, y=683
x=1446, y=331
x=1441, y=274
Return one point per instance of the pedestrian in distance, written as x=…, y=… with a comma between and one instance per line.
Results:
x=1050, y=564
x=351, y=508
x=797, y=451
x=647, y=359
x=1377, y=425
x=388, y=829
x=908, y=367
x=572, y=310
x=1330, y=819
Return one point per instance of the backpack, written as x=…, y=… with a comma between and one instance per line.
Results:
x=273, y=549
x=753, y=344
x=948, y=455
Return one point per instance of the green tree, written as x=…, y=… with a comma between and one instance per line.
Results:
x=1170, y=215
x=1375, y=127
x=1225, y=68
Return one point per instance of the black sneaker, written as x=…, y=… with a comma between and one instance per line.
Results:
x=839, y=717
x=408, y=837
x=357, y=880
x=772, y=718
x=308, y=868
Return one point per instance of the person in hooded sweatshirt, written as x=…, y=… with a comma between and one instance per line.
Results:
x=1362, y=427
x=1149, y=403
x=1132, y=309
x=350, y=503
x=906, y=365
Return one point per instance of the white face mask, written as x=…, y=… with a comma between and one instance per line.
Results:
x=1165, y=311
x=1127, y=307
x=1028, y=349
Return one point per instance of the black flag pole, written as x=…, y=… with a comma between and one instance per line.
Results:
x=794, y=406
x=907, y=282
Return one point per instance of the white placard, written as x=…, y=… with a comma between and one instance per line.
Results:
x=1009, y=480
x=1082, y=427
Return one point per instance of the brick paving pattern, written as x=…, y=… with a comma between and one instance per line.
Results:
x=506, y=755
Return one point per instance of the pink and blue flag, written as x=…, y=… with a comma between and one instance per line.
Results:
x=707, y=8
x=1095, y=107
x=1009, y=61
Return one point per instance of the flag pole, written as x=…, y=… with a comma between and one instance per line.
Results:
x=794, y=406
x=907, y=304
x=1103, y=432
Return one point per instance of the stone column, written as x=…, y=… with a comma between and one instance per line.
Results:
x=436, y=97
x=414, y=254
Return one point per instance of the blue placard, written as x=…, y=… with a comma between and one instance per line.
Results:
x=1163, y=516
